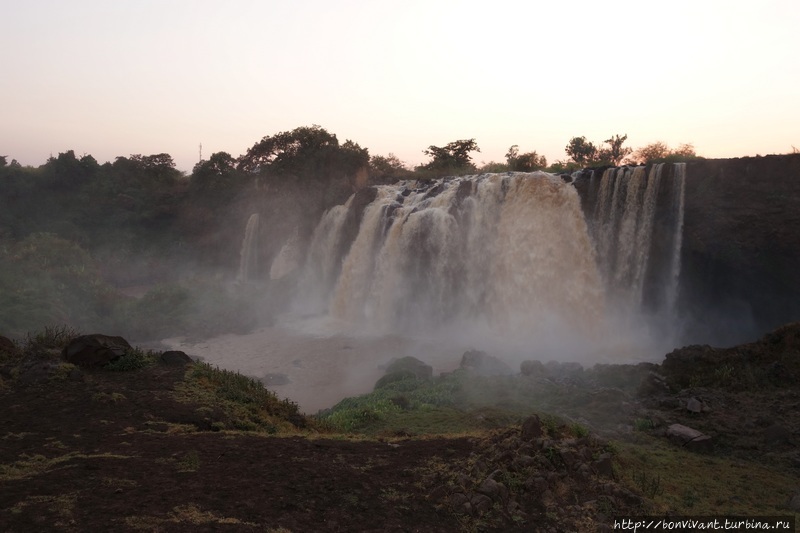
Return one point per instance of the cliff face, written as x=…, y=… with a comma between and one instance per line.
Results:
x=740, y=273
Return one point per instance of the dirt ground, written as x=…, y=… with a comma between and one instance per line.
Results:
x=114, y=452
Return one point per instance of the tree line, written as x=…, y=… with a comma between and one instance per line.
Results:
x=73, y=229
x=455, y=158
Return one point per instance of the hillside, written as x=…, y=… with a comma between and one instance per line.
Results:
x=153, y=442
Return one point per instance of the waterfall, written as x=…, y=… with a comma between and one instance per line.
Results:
x=677, y=207
x=509, y=255
x=248, y=255
x=623, y=228
x=508, y=251
x=637, y=228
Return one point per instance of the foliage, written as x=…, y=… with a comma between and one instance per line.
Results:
x=134, y=359
x=493, y=167
x=244, y=401
x=527, y=162
x=304, y=153
x=50, y=338
x=45, y=279
x=387, y=169
x=217, y=177
x=660, y=152
x=581, y=151
x=561, y=166
x=615, y=153
x=452, y=158
x=586, y=154
x=196, y=307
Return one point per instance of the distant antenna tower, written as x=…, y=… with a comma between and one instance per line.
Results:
x=201, y=152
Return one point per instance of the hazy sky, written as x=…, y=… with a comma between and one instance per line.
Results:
x=112, y=78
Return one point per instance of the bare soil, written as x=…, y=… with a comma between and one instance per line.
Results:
x=76, y=456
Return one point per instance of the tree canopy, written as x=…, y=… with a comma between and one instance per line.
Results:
x=453, y=157
x=305, y=153
x=659, y=152
x=587, y=154
x=527, y=162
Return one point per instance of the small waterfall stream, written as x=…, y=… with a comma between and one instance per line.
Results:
x=248, y=261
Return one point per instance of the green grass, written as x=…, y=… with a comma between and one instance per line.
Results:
x=687, y=483
x=241, y=403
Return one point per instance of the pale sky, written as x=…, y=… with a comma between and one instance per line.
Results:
x=121, y=77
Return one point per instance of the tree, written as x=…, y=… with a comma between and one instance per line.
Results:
x=304, y=153
x=527, y=162
x=67, y=172
x=453, y=157
x=384, y=168
x=217, y=175
x=652, y=152
x=581, y=151
x=615, y=153
x=659, y=152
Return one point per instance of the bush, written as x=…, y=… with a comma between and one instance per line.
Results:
x=133, y=360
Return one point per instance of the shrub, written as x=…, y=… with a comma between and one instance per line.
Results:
x=133, y=360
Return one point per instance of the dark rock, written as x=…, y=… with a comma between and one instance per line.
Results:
x=604, y=466
x=689, y=438
x=458, y=499
x=536, y=484
x=693, y=405
x=95, y=350
x=481, y=503
x=532, y=428
x=439, y=493
x=493, y=489
x=653, y=384
x=7, y=346
x=484, y=364
x=532, y=368
x=175, y=357
x=564, y=372
x=523, y=461
x=569, y=457
x=420, y=369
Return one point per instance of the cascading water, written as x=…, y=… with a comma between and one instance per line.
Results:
x=491, y=255
x=248, y=257
x=677, y=207
x=626, y=238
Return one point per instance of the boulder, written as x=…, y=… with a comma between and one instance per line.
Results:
x=693, y=405
x=175, y=358
x=689, y=438
x=532, y=368
x=418, y=368
x=484, y=364
x=95, y=350
x=7, y=346
x=532, y=428
x=653, y=384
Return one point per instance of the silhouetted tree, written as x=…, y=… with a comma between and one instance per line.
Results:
x=581, y=151
x=453, y=157
x=306, y=153
x=615, y=153
x=217, y=176
x=527, y=162
x=387, y=168
x=659, y=152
